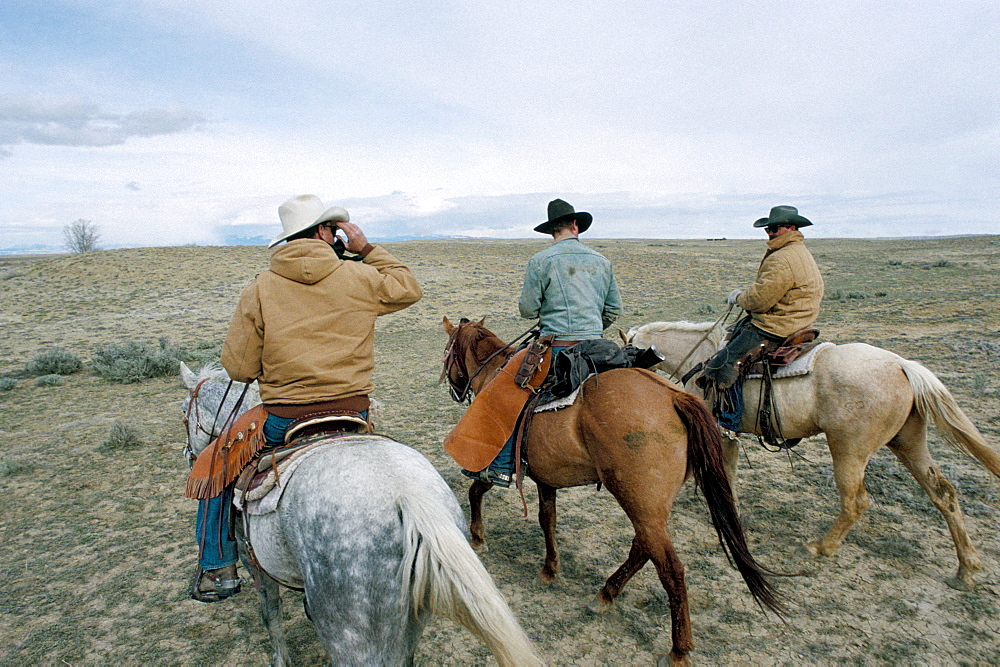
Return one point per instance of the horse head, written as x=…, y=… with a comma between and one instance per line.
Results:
x=470, y=351
x=212, y=402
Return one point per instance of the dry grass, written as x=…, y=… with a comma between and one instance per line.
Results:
x=96, y=545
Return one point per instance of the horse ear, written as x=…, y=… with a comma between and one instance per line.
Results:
x=482, y=321
x=448, y=326
x=188, y=377
x=623, y=336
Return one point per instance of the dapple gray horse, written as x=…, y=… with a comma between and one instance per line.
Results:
x=861, y=397
x=374, y=536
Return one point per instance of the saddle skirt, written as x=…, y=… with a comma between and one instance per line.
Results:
x=260, y=487
x=802, y=365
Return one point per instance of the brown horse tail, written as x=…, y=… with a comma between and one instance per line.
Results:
x=705, y=459
x=932, y=399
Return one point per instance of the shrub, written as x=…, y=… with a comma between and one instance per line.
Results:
x=121, y=436
x=834, y=295
x=706, y=309
x=6, y=384
x=54, y=361
x=135, y=361
x=51, y=380
x=857, y=295
x=895, y=262
x=8, y=467
x=202, y=352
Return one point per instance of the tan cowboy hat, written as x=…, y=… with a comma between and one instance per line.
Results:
x=300, y=213
x=560, y=211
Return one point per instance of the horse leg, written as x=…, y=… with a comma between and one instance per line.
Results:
x=849, y=474
x=648, y=508
x=476, y=530
x=731, y=459
x=637, y=558
x=910, y=447
x=547, y=520
x=269, y=592
x=671, y=573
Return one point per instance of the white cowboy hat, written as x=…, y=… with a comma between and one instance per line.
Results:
x=300, y=213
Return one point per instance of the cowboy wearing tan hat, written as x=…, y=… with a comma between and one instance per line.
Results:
x=784, y=298
x=305, y=331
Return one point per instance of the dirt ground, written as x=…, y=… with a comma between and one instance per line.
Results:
x=96, y=545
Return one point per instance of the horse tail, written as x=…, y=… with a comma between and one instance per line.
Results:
x=443, y=575
x=705, y=461
x=932, y=399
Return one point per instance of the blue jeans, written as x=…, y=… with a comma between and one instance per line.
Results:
x=218, y=549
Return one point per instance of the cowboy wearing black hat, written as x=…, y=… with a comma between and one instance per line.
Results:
x=784, y=299
x=572, y=291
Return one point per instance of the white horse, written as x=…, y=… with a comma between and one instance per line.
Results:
x=374, y=536
x=861, y=397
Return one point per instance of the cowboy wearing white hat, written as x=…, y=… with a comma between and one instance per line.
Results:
x=305, y=331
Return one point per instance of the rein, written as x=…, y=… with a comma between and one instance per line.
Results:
x=454, y=358
x=708, y=332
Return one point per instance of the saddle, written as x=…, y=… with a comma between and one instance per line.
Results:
x=239, y=446
x=493, y=414
x=780, y=354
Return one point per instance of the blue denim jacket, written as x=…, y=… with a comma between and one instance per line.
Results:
x=572, y=290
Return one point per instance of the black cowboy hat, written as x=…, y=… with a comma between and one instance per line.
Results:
x=783, y=215
x=560, y=211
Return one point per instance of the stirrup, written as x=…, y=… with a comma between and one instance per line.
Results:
x=221, y=588
x=490, y=476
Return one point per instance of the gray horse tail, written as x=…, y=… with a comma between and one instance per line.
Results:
x=932, y=399
x=443, y=575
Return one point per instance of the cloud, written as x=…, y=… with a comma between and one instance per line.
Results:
x=75, y=123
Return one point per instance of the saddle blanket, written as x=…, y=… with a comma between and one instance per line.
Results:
x=564, y=402
x=801, y=366
x=263, y=498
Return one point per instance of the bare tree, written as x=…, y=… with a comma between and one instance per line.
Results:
x=81, y=236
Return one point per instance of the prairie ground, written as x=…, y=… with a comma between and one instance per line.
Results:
x=96, y=544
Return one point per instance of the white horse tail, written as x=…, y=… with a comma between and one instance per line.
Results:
x=932, y=399
x=445, y=576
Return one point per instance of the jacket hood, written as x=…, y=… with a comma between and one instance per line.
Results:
x=305, y=261
x=785, y=239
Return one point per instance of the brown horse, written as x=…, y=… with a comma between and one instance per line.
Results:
x=640, y=436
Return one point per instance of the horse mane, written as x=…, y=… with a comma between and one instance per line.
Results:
x=682, y=326
x=213, y=370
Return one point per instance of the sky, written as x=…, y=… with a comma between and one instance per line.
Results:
x=178, y=122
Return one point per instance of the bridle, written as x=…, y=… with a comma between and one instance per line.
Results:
x=460, y=387
x=193, y=406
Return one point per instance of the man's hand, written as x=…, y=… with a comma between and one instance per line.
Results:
x=735, y=294
x=356, y=239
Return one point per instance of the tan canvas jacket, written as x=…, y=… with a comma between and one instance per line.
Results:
x=789, y=288
x=306, y=328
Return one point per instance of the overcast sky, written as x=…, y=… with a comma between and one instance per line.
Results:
x=171, y=122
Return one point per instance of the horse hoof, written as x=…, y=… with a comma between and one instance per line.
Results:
x=547, y=576
x=672, y=660
x=480, y=547
x=816, y=548
x=960, y=584
x=601, y=605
